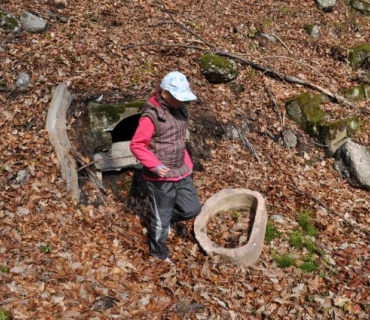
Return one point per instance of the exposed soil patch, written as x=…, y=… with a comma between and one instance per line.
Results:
x=231, y=228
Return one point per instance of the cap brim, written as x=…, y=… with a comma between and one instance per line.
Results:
x=184, y=96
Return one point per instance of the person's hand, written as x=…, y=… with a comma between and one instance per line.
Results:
x=162, y=171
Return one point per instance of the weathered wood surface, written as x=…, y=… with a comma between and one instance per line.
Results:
x=56, y=127
x=234, y=199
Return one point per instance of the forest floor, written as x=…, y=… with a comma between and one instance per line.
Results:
x=58, y=257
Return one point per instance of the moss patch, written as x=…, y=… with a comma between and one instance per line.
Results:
x=106, y=115
x=361, y=5
x=354, y=94
x=217, y=69
x=112, y=112
x=358, y=55
x=305, y=110
x=285, y=261
x=7, y=21
x=338, y=130
x=271, y=232
x=209, y=59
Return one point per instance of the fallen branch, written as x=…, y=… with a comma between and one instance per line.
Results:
x=56, y=127
x=280, y=75
x=308, y=66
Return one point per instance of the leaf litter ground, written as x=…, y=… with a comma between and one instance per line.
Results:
x=99, y=248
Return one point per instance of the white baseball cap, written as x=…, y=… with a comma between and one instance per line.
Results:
x=176, y=83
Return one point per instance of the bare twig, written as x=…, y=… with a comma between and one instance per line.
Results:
x=276, y=107
x=281, y=41
x=158, y=44
x=304, y=64
x=248, y=145
x=96, y=161
x=89, y=173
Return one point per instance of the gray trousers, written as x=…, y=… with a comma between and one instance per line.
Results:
x=170, y=202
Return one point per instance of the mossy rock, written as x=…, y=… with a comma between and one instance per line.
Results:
x=358, y=55
x=335, y=133
x=361, y=5
x=312, y=30
x=355, y=93
x=106, y=116
x=305, y=110
x=8, y=22
x=351, y=124
x=103, y=118
x=217, y=69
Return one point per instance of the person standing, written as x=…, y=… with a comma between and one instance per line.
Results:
x=159, y=145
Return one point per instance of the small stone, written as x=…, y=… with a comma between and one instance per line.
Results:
x=104, y=303
x=22, y=176
x=23, y=211
x=326, y=5
x=23, y=80
x=289, y=138
x=277, y=218
x=60, y=4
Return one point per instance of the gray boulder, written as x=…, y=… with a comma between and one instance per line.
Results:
x=352, y=160
x=32, y=23
x=326, y=5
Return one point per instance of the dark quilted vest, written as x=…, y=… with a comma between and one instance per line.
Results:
x=168, y=141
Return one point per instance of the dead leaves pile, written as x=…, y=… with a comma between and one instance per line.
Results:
x=64, y=260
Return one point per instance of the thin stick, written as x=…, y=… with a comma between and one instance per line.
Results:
x=98, y=160
x=281, y=41
x=276, y=107
x=184, y=27
x=158, y=44
x=247, y=144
